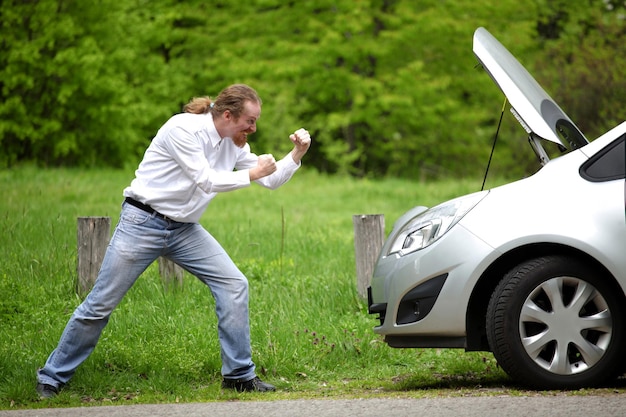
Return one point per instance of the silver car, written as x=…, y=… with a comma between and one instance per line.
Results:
x=533, y=271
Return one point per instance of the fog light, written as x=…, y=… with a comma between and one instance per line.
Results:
x=417, y=303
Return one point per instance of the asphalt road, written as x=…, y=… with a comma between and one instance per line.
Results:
x=496, y=406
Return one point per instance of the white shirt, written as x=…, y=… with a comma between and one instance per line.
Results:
x=188, y=163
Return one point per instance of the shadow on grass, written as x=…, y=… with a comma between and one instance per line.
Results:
x=450, y=381
x=498, y=382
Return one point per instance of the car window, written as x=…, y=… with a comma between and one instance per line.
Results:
x=608, y=164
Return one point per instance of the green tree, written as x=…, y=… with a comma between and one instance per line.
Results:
x=387, y=87
x=74, y=77
x=583, y=60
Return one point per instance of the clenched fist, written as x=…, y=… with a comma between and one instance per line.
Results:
x=302, y=141
x=265, y=166
x=301, y=138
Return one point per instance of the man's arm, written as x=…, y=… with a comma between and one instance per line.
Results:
x=302, y=141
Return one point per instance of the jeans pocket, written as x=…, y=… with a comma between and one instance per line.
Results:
x=133, y=217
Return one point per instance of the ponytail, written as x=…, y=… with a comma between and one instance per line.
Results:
x=198, y=105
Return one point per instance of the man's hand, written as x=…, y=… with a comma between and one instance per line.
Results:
x=302, y=141
x=265, y=166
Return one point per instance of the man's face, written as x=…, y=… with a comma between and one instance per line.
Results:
x=245, y=125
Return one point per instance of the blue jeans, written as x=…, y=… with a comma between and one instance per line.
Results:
x=139, y=239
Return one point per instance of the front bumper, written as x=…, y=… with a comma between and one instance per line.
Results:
x=422, y=298
x=415, y=304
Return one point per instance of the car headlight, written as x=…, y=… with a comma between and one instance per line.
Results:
x=425, y=228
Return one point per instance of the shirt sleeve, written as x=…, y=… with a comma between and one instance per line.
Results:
x=285, y=168
x=187, y=150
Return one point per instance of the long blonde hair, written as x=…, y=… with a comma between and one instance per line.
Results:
x=231, y=98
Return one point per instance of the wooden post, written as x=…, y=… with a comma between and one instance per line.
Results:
x=171, y=273
x=93, y=238
x=369, y=236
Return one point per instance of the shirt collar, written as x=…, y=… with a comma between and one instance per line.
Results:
x=214, y=137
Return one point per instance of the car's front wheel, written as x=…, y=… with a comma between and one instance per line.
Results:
x=555, y=323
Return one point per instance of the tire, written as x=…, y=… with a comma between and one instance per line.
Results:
x=556, y=323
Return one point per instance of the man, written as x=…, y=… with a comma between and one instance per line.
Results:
x=194, y=156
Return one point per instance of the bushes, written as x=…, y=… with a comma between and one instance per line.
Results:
x=386, y=88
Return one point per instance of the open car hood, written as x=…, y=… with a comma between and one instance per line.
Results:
x=532, y=106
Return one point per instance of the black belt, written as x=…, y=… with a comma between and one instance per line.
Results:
x=145, y=207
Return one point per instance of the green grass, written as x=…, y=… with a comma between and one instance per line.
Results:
x=312, y=336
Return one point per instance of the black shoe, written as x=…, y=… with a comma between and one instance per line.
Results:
x=254, y=384
x=47, y=391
